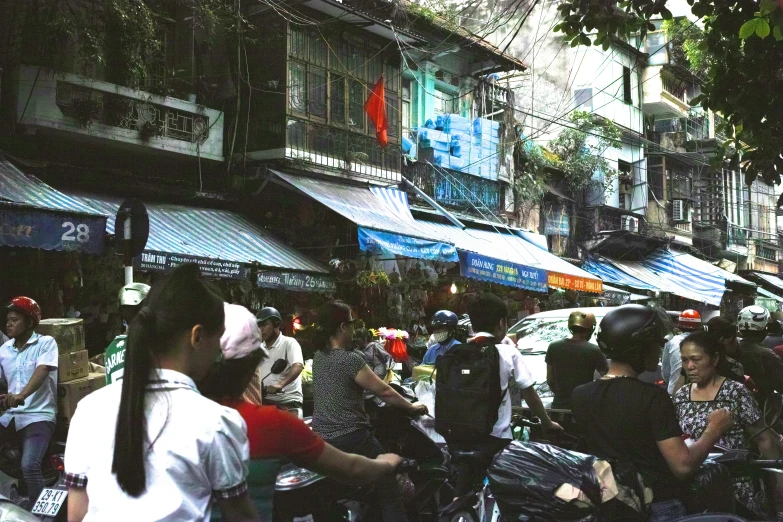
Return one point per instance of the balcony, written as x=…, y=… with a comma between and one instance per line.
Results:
x=665, y=95
x=454, y=189
x=101, y=112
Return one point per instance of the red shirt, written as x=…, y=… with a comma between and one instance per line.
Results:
x=272, y=432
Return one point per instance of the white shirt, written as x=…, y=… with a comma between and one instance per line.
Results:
x=671, y=362
x=512, y=369
x=17, y=367
x=283, y=348
x=200, y=449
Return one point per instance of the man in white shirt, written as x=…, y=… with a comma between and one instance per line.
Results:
x=283, y=389
x=28, y=363
x=488, y=315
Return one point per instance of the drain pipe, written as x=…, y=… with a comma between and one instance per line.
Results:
x=433, y=203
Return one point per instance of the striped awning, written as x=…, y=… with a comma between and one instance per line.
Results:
x=35, y=215
x=614, y=275
x=209, y=233
x=506, y=246
x=681, y=274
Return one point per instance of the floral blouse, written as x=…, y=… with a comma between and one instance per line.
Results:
x=734, y=397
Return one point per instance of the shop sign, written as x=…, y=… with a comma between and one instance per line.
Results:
x=766, y=302
x=213, y=268
x=52, y=230
x=297, y=282
x=570, y=282
x=379, y=242
x=502, y=272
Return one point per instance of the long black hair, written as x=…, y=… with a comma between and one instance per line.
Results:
x=330, y=317
x=174, y=306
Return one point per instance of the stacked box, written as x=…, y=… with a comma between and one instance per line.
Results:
x=70, y=393
x=68, y=333
x=72, y=366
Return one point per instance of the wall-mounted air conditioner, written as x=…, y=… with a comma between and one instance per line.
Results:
x=630, y=223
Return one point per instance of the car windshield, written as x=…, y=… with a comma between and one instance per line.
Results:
x=535, y=334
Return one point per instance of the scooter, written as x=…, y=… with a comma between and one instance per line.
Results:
x=301, y=494
x=12, y=483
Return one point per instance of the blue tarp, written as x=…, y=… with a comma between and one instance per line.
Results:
x=388, y=243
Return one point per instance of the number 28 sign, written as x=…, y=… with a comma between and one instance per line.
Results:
x=51, y=230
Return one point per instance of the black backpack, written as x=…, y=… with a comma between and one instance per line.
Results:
x=467, y=392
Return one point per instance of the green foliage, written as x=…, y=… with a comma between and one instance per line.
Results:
x=123, y=35
x=685, y=45
x=738, y=60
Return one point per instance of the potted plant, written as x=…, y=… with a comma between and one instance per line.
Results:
x=149, y=130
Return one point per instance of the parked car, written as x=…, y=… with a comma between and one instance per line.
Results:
x=535, y=332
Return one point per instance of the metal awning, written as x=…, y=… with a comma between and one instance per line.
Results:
x=765, y=293
x=773, y=280
x=33, y=214
x=382, y=214
x=221, y=242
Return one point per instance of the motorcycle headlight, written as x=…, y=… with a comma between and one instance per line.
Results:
x=10, y=512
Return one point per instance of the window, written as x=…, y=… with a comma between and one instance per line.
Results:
x=407, y=91
x=627, y=98
x=330, y=83
x=445, y=102
x=584, y=99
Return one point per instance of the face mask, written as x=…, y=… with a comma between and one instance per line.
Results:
x=440, y=337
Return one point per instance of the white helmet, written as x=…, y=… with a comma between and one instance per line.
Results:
x=753, y=319
x=133, y=294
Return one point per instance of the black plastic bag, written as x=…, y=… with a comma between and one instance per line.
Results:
x=710, y=490
x=525, y=476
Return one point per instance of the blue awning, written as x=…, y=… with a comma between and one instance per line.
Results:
x=612, y=274
x=33, y=214
x=385, y=222
x=773, y=280
x=220, y=241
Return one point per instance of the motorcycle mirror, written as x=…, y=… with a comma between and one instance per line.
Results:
x=279, y=366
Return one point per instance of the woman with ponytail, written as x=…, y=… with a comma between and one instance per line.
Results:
x=151, y=447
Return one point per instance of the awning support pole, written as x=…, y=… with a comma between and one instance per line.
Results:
x=433, y=203
x=128, y=257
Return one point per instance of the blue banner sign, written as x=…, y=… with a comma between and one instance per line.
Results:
x=297, y=282
x=27, y=227
x=493, y=270
x=395, y=244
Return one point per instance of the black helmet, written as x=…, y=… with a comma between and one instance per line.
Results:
x=268, y=313
x=629, y=327
x=445, y=318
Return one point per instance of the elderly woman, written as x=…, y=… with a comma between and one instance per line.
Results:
x=708, y=391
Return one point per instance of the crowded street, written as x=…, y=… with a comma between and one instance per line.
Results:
x=391, y=260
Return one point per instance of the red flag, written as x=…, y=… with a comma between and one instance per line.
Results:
x=375, y=107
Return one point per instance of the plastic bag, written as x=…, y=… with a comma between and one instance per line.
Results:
x=710, y=489
x=425, y=394
x=525, y=476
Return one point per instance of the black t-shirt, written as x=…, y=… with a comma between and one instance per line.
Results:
x=573, y=363
x=763, y=366
x=622, y=419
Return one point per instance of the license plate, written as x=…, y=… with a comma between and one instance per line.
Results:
x=49, y=502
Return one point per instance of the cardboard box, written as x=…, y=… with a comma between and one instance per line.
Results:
x=70, y=393
x=71, y=366
x=69, y=333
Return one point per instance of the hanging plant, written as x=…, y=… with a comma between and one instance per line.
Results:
x=372, y=279
x=150, y=130
x=85, y=110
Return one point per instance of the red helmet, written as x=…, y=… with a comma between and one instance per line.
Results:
x=26, y=306
x=690, y=320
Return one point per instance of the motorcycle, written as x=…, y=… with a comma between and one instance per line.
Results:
x=301, y=494
x=12, y=486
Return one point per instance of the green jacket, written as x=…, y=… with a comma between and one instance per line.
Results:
x=114, y=359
